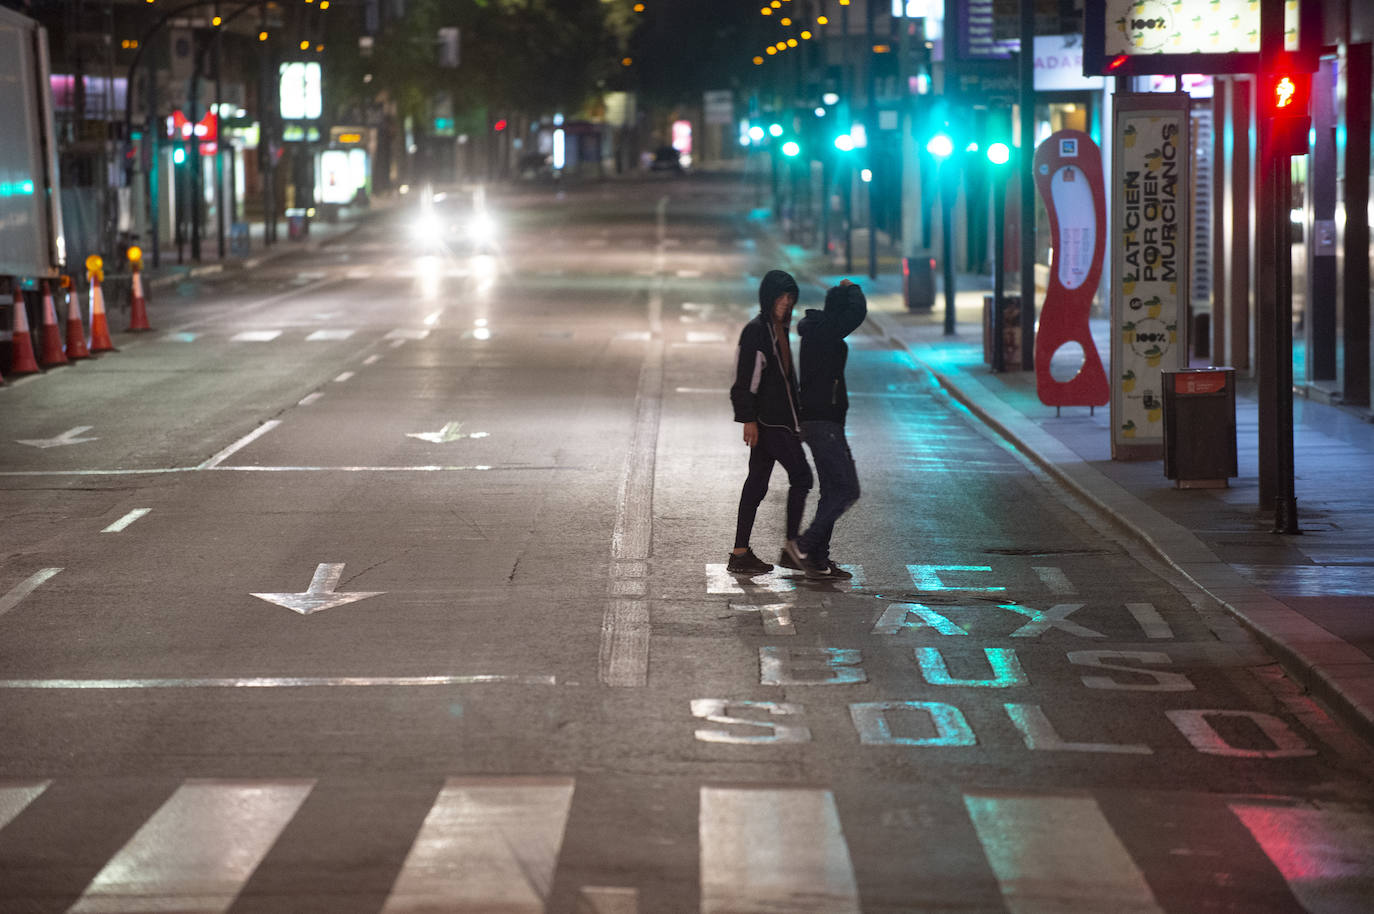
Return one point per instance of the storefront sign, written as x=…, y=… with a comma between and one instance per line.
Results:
x=1150, y=244
x=1059, y=65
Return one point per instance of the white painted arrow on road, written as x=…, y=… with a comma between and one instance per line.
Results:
x=67, y=437
x=449, y=432
x=320, y=594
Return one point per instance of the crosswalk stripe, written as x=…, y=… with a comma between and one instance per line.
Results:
x=255, y=336
x=1058, y=855
x=773, y=850
x=1322, y=853
x=196, y=852
x=488, y=844
x=328, y=335
x=15, y=795
x=1054, y=578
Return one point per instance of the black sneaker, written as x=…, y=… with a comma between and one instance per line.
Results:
x=748, y=563
x=792, y=557
x=827, y=571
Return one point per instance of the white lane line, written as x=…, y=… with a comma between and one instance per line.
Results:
x=255, y=336
x=1151, y=622
x=310, y=398
x=1059, y=855
x=239, y=445
x=372, y=359
x=16, y=795
x=124, y=522
x=277, y=682
x=432, y=319
x=624, y=656
x=1054, y=578
x=774, y=850
x=24, y=588
x=406, y=333
x=196, y=852
x=488, y=844
x=701, y=336
x=328, y=336
x=343, y=377
x=1322, y=853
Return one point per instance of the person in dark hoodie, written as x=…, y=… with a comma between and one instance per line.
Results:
x=764, y=397
x=824, y=403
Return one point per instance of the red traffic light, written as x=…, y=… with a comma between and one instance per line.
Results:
x=1286, y=94
x=499, y=125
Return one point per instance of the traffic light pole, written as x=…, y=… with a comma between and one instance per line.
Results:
x=1285, y=500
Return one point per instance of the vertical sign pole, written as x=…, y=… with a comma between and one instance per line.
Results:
x=1027, y=62
x=1286, y=502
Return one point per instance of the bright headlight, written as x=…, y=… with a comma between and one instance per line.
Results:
x=481, y=227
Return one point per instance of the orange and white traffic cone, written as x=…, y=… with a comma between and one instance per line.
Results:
x=138, y=307
x=23, y=361
x=100, y=326
x=76, y=333
x=52, y=354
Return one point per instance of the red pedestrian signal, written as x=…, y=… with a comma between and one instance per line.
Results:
x=499, y=125
x=1284, y=98
x=1286, y=94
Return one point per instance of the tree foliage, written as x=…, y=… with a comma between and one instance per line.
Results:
x=530, y=56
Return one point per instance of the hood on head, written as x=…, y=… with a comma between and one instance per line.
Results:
x=775, y=283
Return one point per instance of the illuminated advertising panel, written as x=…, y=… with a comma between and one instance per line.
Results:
x=1150, y=244
x=301, y=97
x=1137, y=37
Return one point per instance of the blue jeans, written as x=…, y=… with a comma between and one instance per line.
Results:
x=839, y=485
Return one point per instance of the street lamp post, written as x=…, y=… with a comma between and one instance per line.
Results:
x=942, y=147
x=998, y=154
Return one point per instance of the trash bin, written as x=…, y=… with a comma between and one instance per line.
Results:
x=918, y=283
x=297, y=224
x=1200, y=427
x=239, y=244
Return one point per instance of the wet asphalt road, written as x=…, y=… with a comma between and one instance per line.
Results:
x=387, y=579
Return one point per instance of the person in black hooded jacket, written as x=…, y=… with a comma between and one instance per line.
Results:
x=824, y=404
x=765, y=397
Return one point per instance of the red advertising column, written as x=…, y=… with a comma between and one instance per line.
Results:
x=1068, y=173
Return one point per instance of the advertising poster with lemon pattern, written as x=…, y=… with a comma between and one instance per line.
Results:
x=1135, y=27
x=1150, y=265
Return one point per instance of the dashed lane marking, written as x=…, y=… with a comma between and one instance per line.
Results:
x=24, y=588
x=123, y=523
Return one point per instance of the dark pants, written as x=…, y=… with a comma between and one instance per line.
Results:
x=775, y=445
x=839, y=485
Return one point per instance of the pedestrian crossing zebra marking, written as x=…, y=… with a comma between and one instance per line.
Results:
x=767, y=851
x=487, y=844
x=16, y=795
x=1056, y=855
x=196, y=852
x=494, y=843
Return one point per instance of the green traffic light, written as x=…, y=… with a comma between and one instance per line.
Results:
x=999, y=154
x=844, y=143
x=791, y=149
x=940, y=146
x=775, y=130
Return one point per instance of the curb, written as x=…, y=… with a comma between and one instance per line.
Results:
x=1333, y=670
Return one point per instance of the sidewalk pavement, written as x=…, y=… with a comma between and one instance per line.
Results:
x=1309, y=598
x=321, y=231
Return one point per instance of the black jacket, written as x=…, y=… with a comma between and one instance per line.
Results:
x=824, y=353
x=763, y=392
